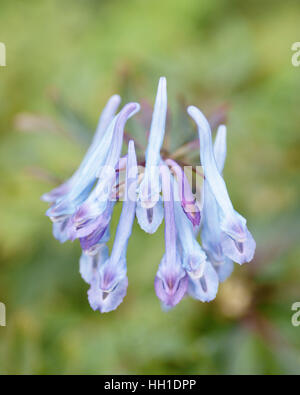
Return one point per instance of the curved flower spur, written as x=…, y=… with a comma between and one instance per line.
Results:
x=82, y=208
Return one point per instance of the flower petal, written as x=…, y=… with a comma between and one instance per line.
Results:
x=157, y=130
x=105, y=301
x=105, y=118
x=171, y=279
x=239, y=252
x=150, y=219
x=231, y=222
x=60, y=230
x=171, y=282
x=149, y=207
x=128, y=210
x=220, y=148
x=89, y=264
x=205, y=288
x=193, y=256
x=224, y=269
x=109, y=285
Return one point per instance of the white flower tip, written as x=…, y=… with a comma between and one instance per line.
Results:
x=136, y=108
x=191, y=109
x=222, y=130
x=163, y=82
x=132, y=162
x=115, y=100
x=162, y=89
x=198, y=117
x=131, y=147
x=130, y=109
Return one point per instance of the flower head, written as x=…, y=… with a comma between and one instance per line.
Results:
x=82, y=208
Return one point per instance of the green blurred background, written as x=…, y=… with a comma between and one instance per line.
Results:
x=64, y=59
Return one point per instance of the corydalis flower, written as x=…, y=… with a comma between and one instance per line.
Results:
x=109, y=279
x=237, y=242
x=64, y=198
x=203, y=280
x=211, y=234
x=171, y=281
x=149, y=206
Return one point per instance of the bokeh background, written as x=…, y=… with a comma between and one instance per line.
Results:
x=64, y=59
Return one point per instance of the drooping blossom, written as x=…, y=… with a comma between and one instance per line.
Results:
x=171, y=280
x=211, y=234
x=203, y=279
x=237, y=242
x=149, y=206
x=109, y=278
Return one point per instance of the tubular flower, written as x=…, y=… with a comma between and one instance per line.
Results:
x=211, y=234
x=171, y=280
x=79, y=185
x=149, y=205
x=237, y=242
x=109, y=281
x=203, y=279
x=82, y=207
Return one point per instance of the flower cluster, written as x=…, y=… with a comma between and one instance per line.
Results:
x=82, y=207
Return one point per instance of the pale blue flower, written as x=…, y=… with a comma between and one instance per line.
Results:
x=149, y=206
x=82, y=208
x=109, y=280
x=171, y=280
x=237, y=242
x=89, y=264
x=203, y=279
x=211, y=231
